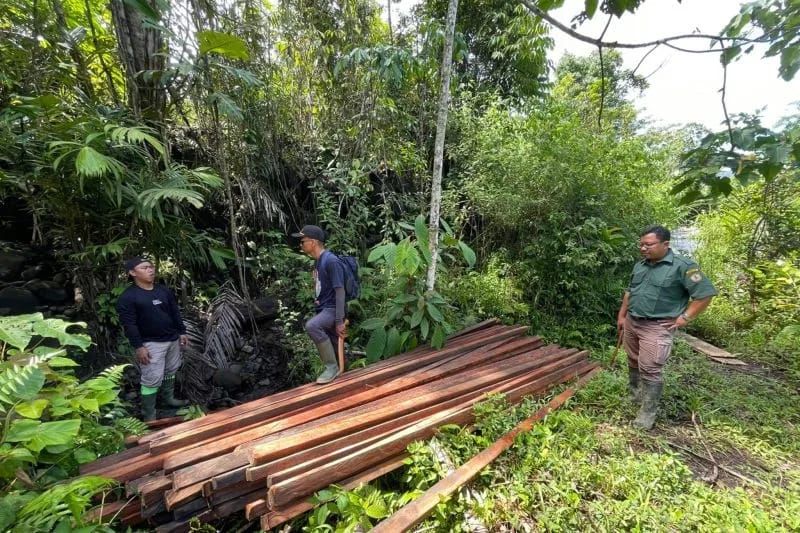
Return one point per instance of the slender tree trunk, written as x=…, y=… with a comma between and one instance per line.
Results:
x=141, y=49
x=438, y=150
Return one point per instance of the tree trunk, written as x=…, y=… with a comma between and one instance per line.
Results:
x=438, y=150
x=140, y=49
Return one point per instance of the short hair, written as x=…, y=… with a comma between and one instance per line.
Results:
x=659, y=231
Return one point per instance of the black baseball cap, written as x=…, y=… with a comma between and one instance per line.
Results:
x=133, y=262
x=312, y=232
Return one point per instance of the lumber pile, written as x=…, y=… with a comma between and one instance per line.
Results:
x=266, y=457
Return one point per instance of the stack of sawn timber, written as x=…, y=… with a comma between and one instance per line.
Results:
x=266, y=457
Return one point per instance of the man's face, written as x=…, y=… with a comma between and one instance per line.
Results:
x=651, y=248
x=306, y=245
x=145, y=272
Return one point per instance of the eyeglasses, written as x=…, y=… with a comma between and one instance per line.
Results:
x=649, y=245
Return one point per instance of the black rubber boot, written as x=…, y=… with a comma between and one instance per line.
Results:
x=166, y=393
x=651, y=395
x=634, y=391
x=149, y=406
x=328, y=357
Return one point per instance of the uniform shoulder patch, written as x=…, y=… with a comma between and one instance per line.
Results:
x=695, y=275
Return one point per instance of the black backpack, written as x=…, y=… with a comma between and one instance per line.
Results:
x=352, y=285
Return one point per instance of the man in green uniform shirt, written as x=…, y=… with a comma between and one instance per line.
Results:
x=655, y=305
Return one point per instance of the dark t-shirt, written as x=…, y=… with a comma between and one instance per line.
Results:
x=150, y=315
x=328, y=275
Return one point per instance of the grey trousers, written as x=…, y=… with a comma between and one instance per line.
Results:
x=165, y=360
x=323, y=326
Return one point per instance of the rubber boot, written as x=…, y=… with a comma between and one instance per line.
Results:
x=166, y=393
x=651, y=394
x=328, y=357
x=635, y=392
x=149, y=406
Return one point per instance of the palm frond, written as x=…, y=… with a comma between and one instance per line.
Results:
x=224, y=325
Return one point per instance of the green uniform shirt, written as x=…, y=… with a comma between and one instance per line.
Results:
x=663, y=289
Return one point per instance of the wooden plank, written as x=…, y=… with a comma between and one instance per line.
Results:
x=309, y=481
x=175, y=498
x=230, y=441
x=416, y=511
x=308, y=458
x=183, y=526
x=277, y=517
x=728, y=361
x=337, y=424
x=704, y=347
x=396, y=366
x=207, y=439
x=92, y=469
x=153, y=491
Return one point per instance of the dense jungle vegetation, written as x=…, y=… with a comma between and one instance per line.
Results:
x=202, y=133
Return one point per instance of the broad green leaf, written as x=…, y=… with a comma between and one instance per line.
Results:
x=434, y=312
x=38, y=435
x=220, y=255
x=17, y=330
x=62, y=362
x=33, y=408
x=226, y=105
x=416, y=318
x=145, y=9
x=92, y=164
x=437, y=339
x=379, y=252
x=424, y=326
x=372, y=323
x=590, y=8
x=84, y=455
x=393, y=342
x=469, y=254
x=57, y=329
x=222, y=43
x=376, y=345
x=421, y=230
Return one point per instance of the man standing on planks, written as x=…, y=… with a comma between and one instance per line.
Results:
x=153, y=324
x=327, y=325
x=655, y=305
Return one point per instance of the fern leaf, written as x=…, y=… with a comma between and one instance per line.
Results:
x=20, y=383
x=131, y=426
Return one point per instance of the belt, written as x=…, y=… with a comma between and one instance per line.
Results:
x=651, y=317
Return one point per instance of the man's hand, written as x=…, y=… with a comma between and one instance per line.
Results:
x=620, y=323
x=341, y=330
x=142, y=356
x=679, y=323
x=183, y=340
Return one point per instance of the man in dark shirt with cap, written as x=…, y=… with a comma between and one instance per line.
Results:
x=327, y=325
x=153, y=324
x=655, y=305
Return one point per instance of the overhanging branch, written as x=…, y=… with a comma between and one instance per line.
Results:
x=665, y=41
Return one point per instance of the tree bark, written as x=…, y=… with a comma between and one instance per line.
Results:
x=141, y=49
x=438, y=150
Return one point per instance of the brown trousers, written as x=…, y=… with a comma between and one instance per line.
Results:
x=649, y=344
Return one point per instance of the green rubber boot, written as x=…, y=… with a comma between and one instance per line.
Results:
x=149, y=406
x=166, y=393
x=634, y=390
x=651, y=394
x=328, y=357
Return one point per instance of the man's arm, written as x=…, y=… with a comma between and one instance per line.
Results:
x=175, y=313
x=126, y=308
x=623, y=311
x=695, y=308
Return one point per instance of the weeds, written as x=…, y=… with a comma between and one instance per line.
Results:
x=584, y=468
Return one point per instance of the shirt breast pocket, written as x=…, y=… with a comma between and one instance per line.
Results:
x=637, y=278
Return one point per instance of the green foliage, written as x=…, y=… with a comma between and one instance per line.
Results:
x=496, y=292
x=53, y=423
x=774, y=22
x=411, y=314
x=565, y=200
x=748, y=153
